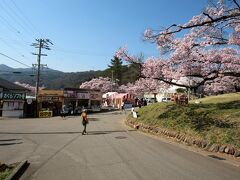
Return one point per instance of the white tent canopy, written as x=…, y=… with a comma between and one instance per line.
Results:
x=109, y=94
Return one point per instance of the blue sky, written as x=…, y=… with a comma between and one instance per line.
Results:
x=85, y=33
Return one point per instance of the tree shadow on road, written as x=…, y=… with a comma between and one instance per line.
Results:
x=8, y=144
x=70, y=132
x=9, y=139
x=93, y=119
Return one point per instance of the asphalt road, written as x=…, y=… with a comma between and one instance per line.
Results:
x=56, y=149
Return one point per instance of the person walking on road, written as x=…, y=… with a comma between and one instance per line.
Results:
x=123, y=107
x=84, y=121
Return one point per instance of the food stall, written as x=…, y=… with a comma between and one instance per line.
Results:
x=50, y=102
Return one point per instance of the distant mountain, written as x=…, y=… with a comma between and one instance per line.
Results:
x=4, y=67
x=50, y=78
x=53, y=79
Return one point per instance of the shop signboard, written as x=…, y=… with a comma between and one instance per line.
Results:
x=49, y=99
x=83, y=95
x=96, y=96
x=70, y=94
x=45, y=114
x=13, y=96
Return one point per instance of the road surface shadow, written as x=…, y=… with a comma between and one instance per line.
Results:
x=96, y=133
x=70, y=132
x=9, y=144
x=9, y=139
x=69, y=117
x=216, y=157
x=93, y=119
x=119, y=112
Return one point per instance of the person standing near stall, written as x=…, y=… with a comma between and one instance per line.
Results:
x=123, y=107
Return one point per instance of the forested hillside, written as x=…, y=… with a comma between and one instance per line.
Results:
x=53, y=79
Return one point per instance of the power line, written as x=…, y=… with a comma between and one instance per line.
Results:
x=15, y=60
x=9, y=25
x=17, y=44
x=80, y=52
x=21, y=54
x=18, y=33
x=26, y=18
x=22, y=20
x=25, y=73
x=14, y=71
x=13, y=74
x=11, y=28
x=18, y=41
x=9, y=11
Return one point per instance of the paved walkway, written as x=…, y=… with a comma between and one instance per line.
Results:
x=57, y=150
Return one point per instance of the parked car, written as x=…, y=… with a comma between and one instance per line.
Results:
x=151, y=100
x=166, y=99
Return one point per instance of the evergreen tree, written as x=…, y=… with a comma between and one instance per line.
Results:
x=116, y=68
x=132, y=72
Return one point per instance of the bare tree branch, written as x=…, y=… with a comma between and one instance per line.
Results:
x=208, y=16
x=219, y=19
x=215, y=74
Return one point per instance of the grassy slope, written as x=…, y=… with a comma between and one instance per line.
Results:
x=216, y=118
x=6, y=173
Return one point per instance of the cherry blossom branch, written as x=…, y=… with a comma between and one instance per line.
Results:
x=222, y=18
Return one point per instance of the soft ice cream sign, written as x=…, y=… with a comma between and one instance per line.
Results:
x=13, y=96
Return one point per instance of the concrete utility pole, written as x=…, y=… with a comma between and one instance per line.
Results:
x=41, y=43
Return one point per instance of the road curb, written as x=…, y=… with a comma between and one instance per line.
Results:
x=190, y=141
x=18, y=170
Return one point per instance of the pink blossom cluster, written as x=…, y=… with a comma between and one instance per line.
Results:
x=223, y=85
x=144, y=85
x=209, y=52
x=122, y=53
x=101, y=83
x=27, y=86
x=218, y=24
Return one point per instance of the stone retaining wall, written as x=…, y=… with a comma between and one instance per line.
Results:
x=228, y=149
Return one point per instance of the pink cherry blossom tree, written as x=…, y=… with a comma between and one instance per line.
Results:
x=28, y=86
x=101, y=83
x=143, y=85
x=208, y=54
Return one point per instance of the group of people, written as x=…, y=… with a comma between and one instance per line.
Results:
x=181, y=99
x=140, y=102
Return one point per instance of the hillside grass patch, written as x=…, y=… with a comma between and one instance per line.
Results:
x=6, y=170
x=216, y=119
